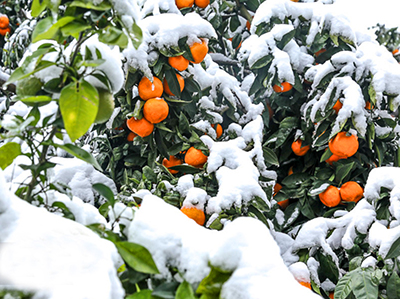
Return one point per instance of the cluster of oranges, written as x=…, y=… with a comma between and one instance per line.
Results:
x=189, y=3
x=350, y=191
x=4, y=25
x=156, y=109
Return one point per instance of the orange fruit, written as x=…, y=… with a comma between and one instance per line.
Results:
x=4, y=22
x=179, y=63
x=320, y=51
x=199, y=51
x=202, y=3
x=298, y=150
x=351, y=191
x=290, y=172
x=131, y=136
x=294, y=0
x=149, y=90
x=195, y=157
x=3, y=32
x=368, y=105
x=283, y=203
x=334, y=158
x=181, y=82
x=338, y=105
x=173, y=161
x=395, y=51
x=141, y=127
x=155, y=110
x=344, y=146
x=277, y=187
x=218, y=130
x=330, y=197
x=331, y=295
x=184, y=3
x=248, y=24
x=284, y=88
x=195, y=214
x=304, y=283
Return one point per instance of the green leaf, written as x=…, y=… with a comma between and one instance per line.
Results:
x=342, y=171
x=34, y=99
x=74, y=29
x=286, y=39
x=260, y=216
x=89, y=4
x=185, y=291
x=113, y=36
x=137, y=256
x=183, y=123
x=393, y=286
x=8, y=153
x=79, y=103
x=296, y=179
x=45, y=29
x=172, y=82
x=394, y=250
x=105, y=191
x=38, y=6
x=166, y=290
x=80, y=154
x=212, y=284
x=289, y=123
x=364, y=285
x=263, y=61
x=145, y=294
x=343, y=287
x=270, y=156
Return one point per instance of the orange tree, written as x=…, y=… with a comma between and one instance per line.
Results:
x=288, y=96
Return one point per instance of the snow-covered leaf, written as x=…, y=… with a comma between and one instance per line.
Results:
x=137, y=256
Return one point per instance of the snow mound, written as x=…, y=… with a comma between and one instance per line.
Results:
x=244, y=247
x=52, y=256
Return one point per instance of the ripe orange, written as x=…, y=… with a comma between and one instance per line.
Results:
x=131, y=136
x=283, y=203
x=184, y=3
x=179, y=63
x=195, y=214
x=368, y=106
x=284, y=88
x=181, y=82
x=173, y=161
x=277, y=187
x=304, y=283
x=141, y=127
x=149, y=90
x=3, y=32
x=344, y=146
x=338, y=105
x=4, y=22
x=248, y=24
x=155, y=110
x=290, y=172
x=202, y=3
x=199, y=51
x=195, y=157
x=395, y=51
x=218, y=130
x=320, y=51
x=331, y=295
x=330, y=197
x=294, y=0
x=334, y=158
x=298, y=150
x=351, y=191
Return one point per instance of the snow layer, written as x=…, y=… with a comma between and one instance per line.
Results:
x=245, y=247
x=53, y=256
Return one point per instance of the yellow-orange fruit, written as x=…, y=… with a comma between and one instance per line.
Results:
x=179, y=63
x=202, y=3
x=141, y=127
x=218, y=130
x=285, y=86
x=184, y=3
x=148, y=90
x=173, y=161
x=298, y=150
x=131, y=136
x=4, y=22
x=343, y=146
x=330, y=197
x=155, y=110
x=338, y=105
x=195, y=214
x=199, y=51
x=181, y=82
x=351, y=191
x=195, y=157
